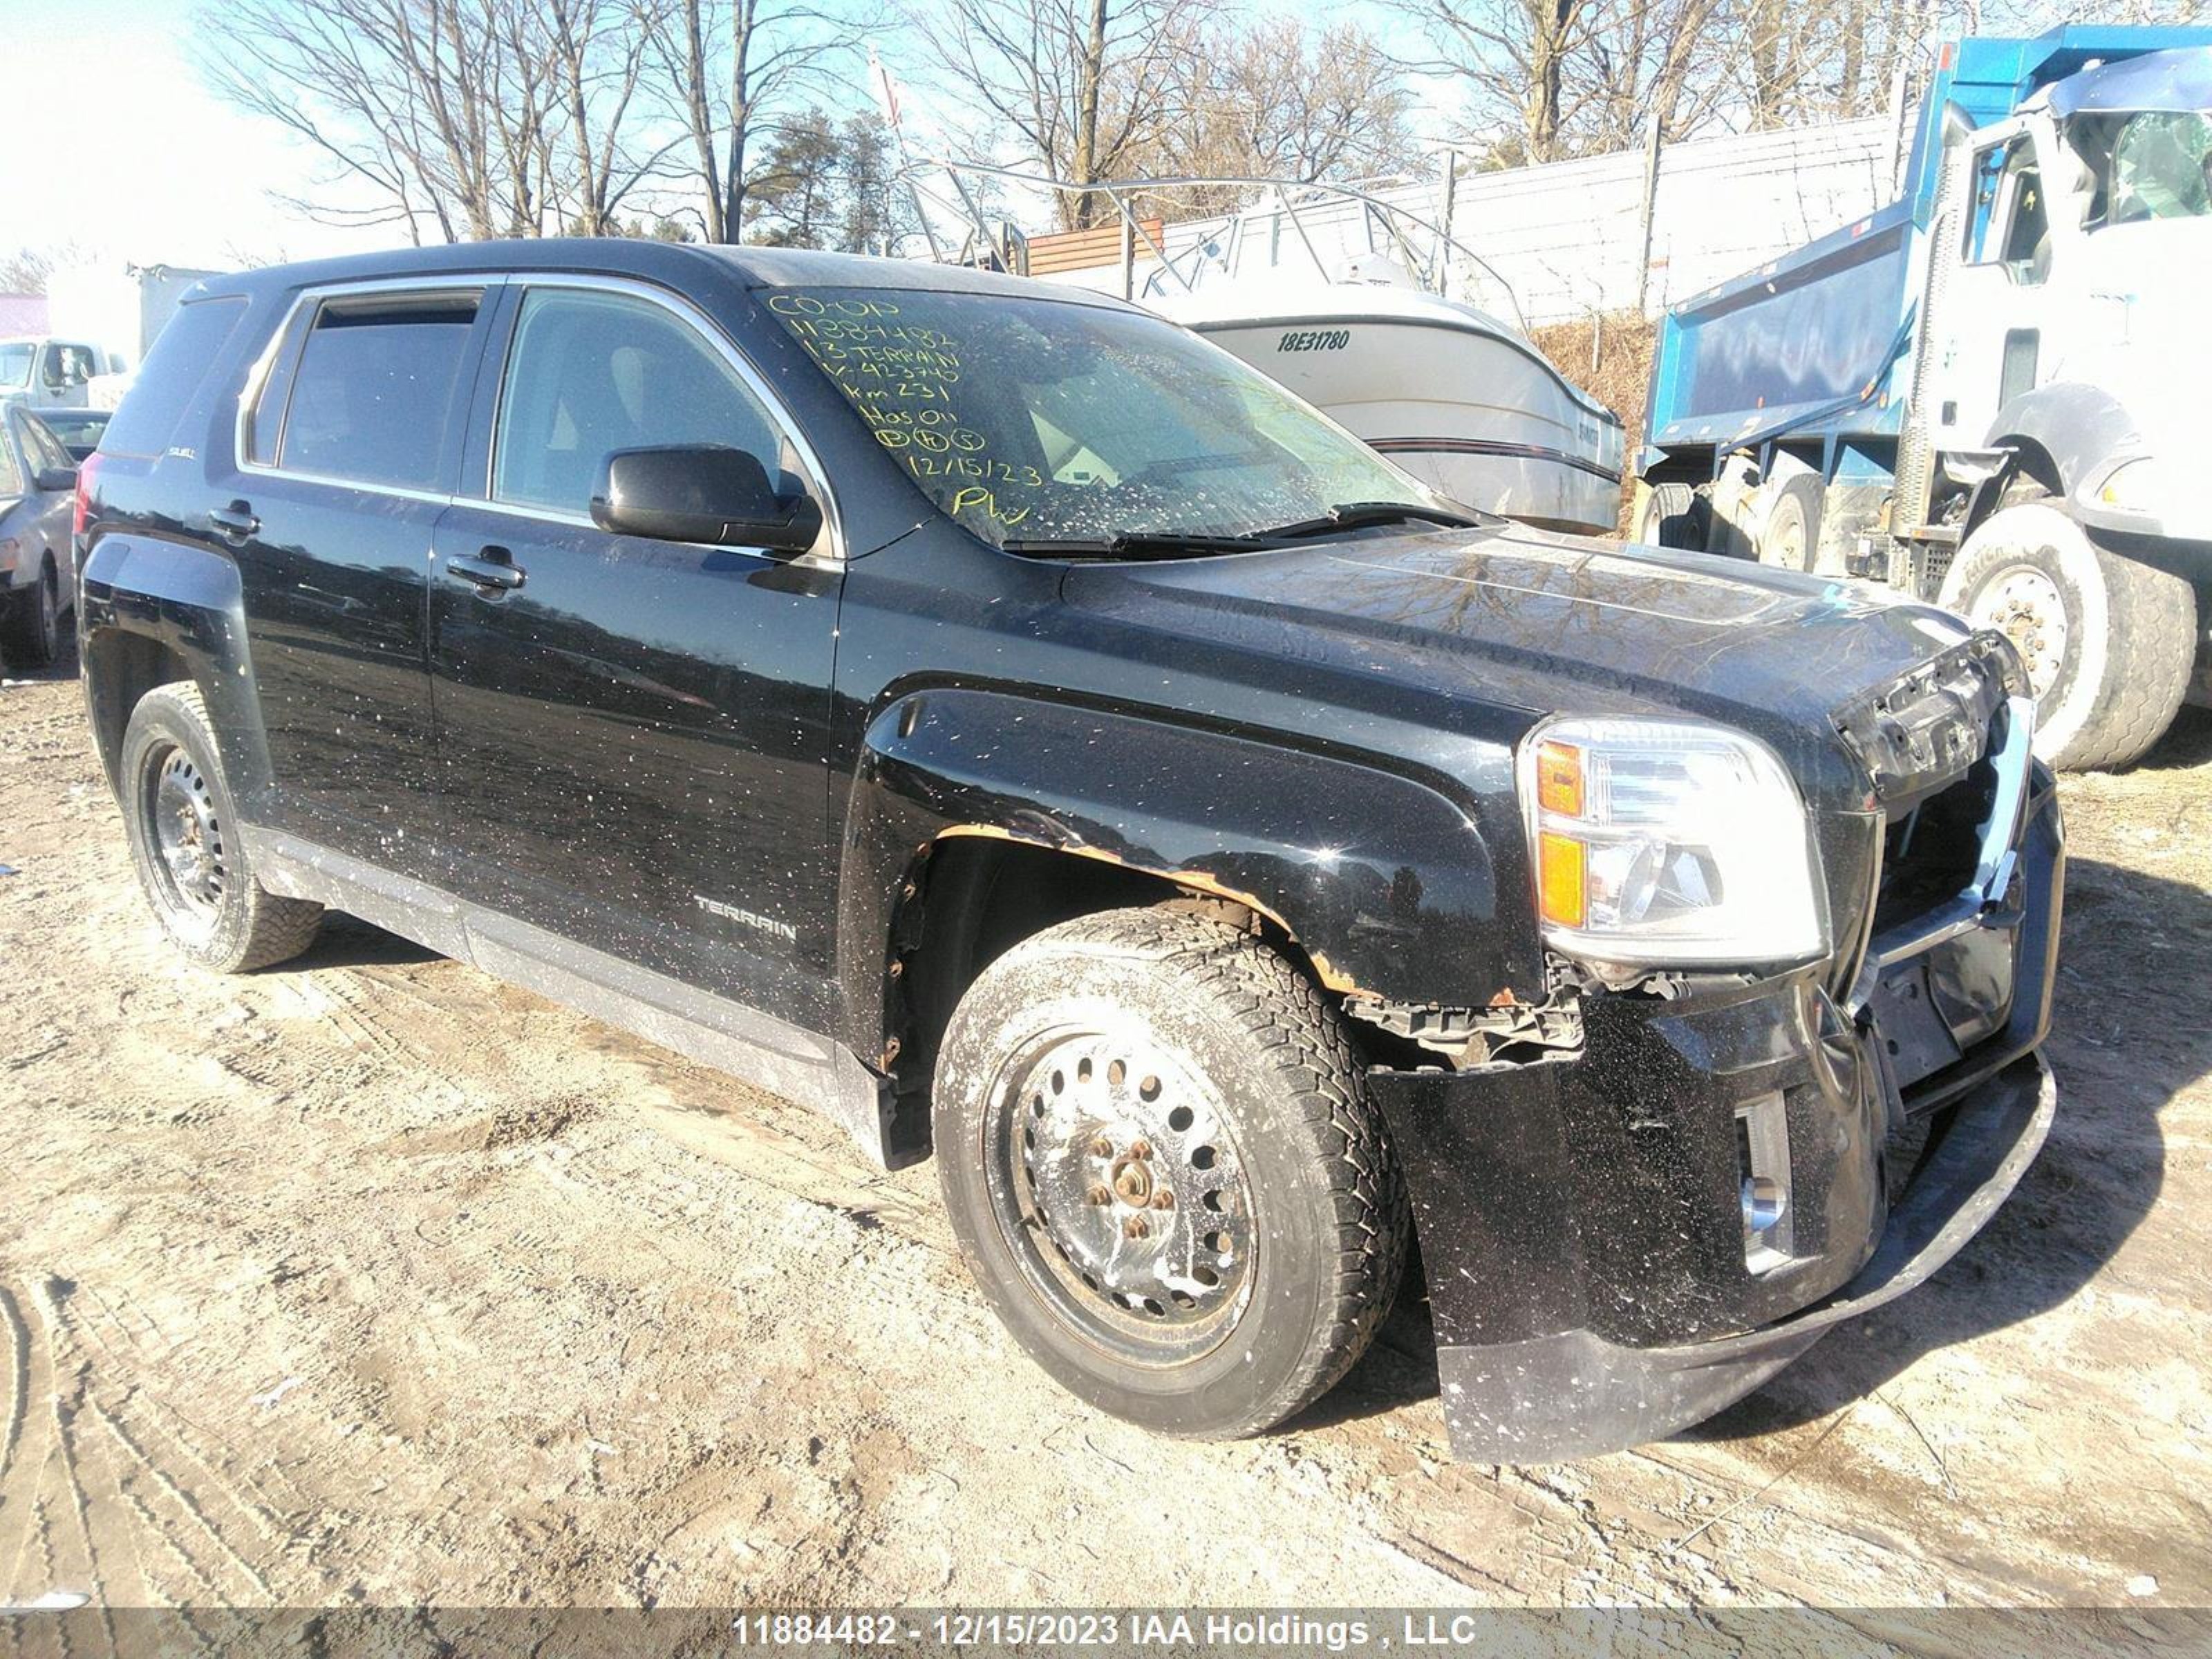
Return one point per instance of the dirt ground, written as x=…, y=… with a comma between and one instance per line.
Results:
x=368, y=1280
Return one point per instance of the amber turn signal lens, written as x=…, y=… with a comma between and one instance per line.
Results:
x=1562, y=880
x=1559, y=779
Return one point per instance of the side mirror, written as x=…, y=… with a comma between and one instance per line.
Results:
x=55, y=478
x=702, y=493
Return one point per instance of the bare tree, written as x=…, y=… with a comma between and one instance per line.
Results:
x=728, y=67
x=28, y=270
x=1647, y=61
x=1513, y=56
x=450, y=118
x=1085, y=85
x=1281, y=100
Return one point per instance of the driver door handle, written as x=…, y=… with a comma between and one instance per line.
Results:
x=234, y=523
x=491, y=571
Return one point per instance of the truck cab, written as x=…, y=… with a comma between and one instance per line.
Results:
x=48, y=370
x=2004, y=386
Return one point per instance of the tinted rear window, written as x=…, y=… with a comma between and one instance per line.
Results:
x=183, y=353
x=373, y=395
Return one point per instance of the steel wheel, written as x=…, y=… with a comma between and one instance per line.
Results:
x=1162, y=1165
x=1119, y=1188
x=186, y=842
x=2022, y=603
x=187, y=834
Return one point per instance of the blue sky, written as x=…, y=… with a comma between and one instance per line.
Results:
x=125, y=153
x=145, y=165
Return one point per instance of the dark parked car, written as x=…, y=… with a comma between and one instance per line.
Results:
x=38, y=576
x=994, y=715
x=79, y=430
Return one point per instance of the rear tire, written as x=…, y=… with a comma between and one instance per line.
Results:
x=1669, y=516
x=192, y=861
x=2109, y=642
x=1790, y=539
x=1165, y=1173
x=33, y=630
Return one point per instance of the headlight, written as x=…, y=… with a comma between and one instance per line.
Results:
x=1669, y=843
x=2133, y=487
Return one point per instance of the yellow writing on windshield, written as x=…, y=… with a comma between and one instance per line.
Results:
x=905, y=378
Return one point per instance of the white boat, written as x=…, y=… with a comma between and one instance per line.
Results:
x=1316, y=287
x=1457, y=396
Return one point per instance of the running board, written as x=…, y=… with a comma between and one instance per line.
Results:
x=757, y=1048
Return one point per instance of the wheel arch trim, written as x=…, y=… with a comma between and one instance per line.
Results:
x=1390, y=889
x=187, y=601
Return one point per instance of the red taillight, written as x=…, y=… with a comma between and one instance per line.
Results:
x=86, y=471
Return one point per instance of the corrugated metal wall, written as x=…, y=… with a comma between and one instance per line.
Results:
x=1566, y=236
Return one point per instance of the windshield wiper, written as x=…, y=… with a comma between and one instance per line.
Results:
x=1166, y=543
x=1353, y=515
x=1133, y=544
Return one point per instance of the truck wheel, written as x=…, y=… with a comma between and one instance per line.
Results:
x=1669, y=516
x=35, y=630
x=1791, y=538
x=183, y=830
x=1164, y=1171
x=2109, y=642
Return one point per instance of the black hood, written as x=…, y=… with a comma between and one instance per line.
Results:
x=1512, y=619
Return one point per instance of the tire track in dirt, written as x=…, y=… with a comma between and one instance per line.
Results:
x=186, y=1505
x=48, y=1299
x=19, y=1384
x=26, y=1552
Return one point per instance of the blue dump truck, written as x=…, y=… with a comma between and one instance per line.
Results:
x=1992, y=393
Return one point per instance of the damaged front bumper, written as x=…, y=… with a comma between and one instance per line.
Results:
x=1594, y=1278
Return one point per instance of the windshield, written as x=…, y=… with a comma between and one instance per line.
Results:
x=2154, y=164
x=1032, y=421
x=15, y=362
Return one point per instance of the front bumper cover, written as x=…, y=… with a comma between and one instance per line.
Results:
x=1504, y=1404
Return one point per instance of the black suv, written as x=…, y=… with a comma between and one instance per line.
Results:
x=992, y=714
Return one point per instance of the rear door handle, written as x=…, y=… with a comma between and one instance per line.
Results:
x=492, y=571
x=233, y=523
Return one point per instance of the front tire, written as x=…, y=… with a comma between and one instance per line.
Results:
x=1164, y=1171
x=2109, y=642
x=184, y=841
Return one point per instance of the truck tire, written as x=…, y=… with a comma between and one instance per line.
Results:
x=1790, y=539
x=33, y=635
x=182, y=826
x=2109, y=642
x=1670, y=516
x=1165, y=1173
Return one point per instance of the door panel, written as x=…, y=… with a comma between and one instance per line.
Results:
x=633, y=734
x=331, y=522
x=2003, y=251
x=333, y=584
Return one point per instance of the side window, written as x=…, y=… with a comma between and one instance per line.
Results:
x=184, y=353
x=1988, y=179
x=591, y=372
x=373, y=396
x=42, y=448
x=2011, y=223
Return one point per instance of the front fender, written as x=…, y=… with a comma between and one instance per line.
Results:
x=2082, y=429
x=1389, y=886
x=144, y=600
